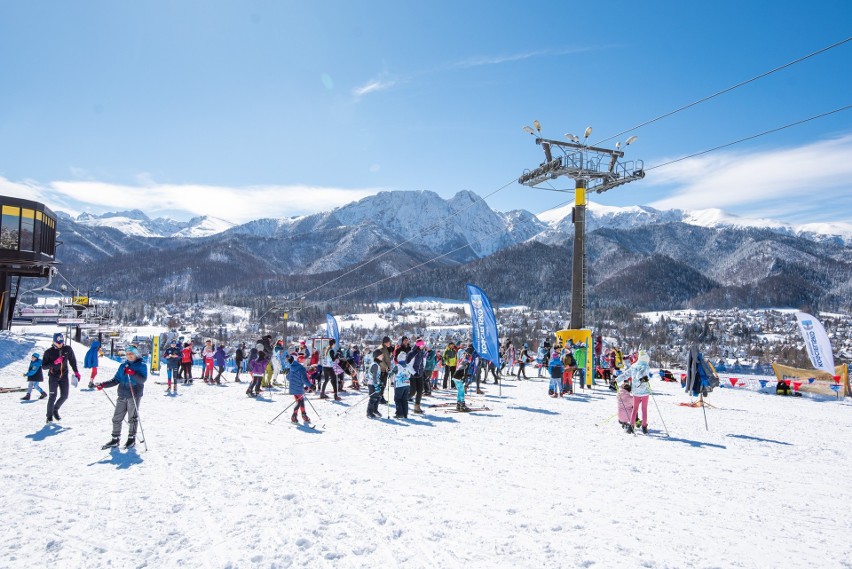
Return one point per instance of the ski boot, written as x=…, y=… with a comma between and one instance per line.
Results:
x=294, y=419
x=644, y=429
x=113, y=442
x=305, y=418
x=25, y=397
x=91, y=385
x=43, y=395
x=130, y=442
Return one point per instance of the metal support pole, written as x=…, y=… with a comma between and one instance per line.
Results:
x=577, y=281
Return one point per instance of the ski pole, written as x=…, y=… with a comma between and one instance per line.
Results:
x=282, y=412
x=658, y=409
x=704, y=409
x=113, y=404
x=138, y=416
x=356, y=404
x=314, y=409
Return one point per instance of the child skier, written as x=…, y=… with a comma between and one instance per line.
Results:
x=463, y=364
x=402, y=386
x=624, y=400
x=34, y=377
x=130, y=379
x=555, y=368
x=91, y=362
x=172, y=356
x=207, y=353
x=298, y=382
x=373, y=379
x=257, y=368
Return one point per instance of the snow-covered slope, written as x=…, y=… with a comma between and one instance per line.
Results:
x=533, y=482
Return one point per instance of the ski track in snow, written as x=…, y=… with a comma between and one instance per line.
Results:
x=534, y=482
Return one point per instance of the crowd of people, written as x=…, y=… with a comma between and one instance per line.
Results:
x=413, y=369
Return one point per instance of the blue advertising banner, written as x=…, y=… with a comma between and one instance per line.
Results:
x=485, y=340
x=331, y=329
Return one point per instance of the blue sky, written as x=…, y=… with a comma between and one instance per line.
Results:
x=256, y=109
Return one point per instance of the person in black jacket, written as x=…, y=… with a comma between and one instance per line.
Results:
x=239, y=356
x=130, y=379
x=57, y=359
x=416, y=360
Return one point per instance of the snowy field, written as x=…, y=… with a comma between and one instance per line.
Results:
x=534, y=482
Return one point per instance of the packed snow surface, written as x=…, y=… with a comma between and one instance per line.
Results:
x=533, y=482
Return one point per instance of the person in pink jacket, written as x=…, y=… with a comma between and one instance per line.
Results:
x=625, y=405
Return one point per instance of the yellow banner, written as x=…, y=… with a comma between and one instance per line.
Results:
x=822, y=380
x=81, y=300
x=155, y=354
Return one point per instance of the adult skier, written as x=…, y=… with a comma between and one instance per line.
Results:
x=172, y=356
x=57, y=360
x=450, y=357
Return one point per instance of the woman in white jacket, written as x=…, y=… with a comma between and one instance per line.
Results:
x=639, y=373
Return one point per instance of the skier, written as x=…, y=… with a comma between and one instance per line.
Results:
x=186, y=363
x=91, y=362
x=279, y=361
x=402, y=386
x=57, y=359
x=386, y=364
x=462, y=364
x=298, y=382
x=257, y=367
x=450, y=357
x=219, y=359
x=556, y=373
x=625, y=405
x=34, y=377
x=130, y=379
x=569, y=364
x=172, y=356
x=328, y=371
x=207, y=353
x=429, y=371
x=639, y=373
x=523, y=360
x=580, y=355
x=373, y=379
x=416, y=360
x=239, y=356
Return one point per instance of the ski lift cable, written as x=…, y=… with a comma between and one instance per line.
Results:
x=321, y=302
x=430, y=228
x=764, y=133
x=723, y=91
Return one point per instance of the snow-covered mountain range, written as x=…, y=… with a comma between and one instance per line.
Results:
x=137, y=224
x=417, y=243
x=408, y=215
x=597, y=216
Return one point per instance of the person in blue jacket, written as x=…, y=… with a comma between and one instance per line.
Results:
x=91, y=362
x=34, y=377
x=130, y=379
x=298, y=382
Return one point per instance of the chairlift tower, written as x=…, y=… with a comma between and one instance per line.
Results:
x=592, y=168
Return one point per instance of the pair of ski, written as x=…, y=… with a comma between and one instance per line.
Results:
x=467, y=410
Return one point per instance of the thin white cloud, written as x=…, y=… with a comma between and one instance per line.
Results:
x=236, y=205
x=373, y=86
x=812, y=172
x=498, y=59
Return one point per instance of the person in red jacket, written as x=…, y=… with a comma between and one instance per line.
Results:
x=186, y=362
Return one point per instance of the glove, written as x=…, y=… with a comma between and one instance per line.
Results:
x=77, y=375
x=99, y=386
x=58, y=361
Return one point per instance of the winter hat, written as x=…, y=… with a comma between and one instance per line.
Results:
x=526, y=345
x=36, y=356
x=132, y=350
x=385, y=340
x=58, y=338
x=302, y=342
x=420, y=343
x=400, y=358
